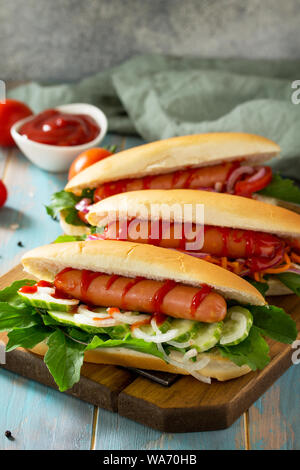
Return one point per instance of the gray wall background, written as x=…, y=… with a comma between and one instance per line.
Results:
x=69, y=39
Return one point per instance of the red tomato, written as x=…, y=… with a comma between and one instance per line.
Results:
x=82, y=216
x=247, y=188
x=10, y=112
x=87, y=158
x=3, y=194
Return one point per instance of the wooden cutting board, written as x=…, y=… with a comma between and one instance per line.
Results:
x=186, y=405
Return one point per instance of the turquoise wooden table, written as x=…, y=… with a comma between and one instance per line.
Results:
x=41, y=418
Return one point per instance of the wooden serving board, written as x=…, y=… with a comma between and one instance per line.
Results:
x=186, y=405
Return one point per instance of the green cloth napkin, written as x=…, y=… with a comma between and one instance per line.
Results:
x=159, y=97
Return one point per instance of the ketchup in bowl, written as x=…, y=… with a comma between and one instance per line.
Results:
x=53, y=127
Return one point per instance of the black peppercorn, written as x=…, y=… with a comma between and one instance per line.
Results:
x=20, y=244
x=8, y=434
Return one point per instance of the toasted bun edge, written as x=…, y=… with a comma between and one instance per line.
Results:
x=219, y=368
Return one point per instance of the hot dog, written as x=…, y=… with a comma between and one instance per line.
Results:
x=246, y=236
x=123, y=303
x=129, y=304
x=194, y=178
x=218, y=241
x=223, y=162
x=177, y=302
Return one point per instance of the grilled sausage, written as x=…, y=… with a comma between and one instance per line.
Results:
x=166, y=297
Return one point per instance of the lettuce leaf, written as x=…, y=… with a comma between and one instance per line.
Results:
x=283, y=189
x=291, y=280
x=70, y=238
x=64, y=359
x=65, y=201
x=60, y=201
x=129, y=342
x=27, y=337
x=253, y=351
x=10, y=295
x=274, y=322
x=12, y=317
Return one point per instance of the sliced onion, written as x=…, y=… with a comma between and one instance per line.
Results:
x=155, y=327
x=96, y=237
x=84, y=310
x=260, y=173
x=235, y=175
x=200, y=377
x=189, y=354
x=129, y=318
x=83, y=205
x=158, y=338
x=197, y=365
x=45, y=290
x=99, y=323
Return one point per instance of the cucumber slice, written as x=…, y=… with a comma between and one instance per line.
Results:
x=48, y=302
x=67, y=319
x=163, y=327
x=206, y=336
x=186, y=329
x=237, y=325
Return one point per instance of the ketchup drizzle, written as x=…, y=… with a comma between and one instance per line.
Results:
x=160, y=294
x=44, y=284
x=28, y=289
x=198, y=298
x=86, y=278
x=147, y=180
x=111, y=280
x=129, y=286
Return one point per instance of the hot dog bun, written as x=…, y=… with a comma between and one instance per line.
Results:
x=219, y=368
x=70, y=229
x=220, y=209
x=278, y=202
x=132, y=259
x=165, y=156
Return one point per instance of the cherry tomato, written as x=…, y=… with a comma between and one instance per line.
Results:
x=3, y=194
x=247, y=188
x=11, y=111
x=82, y=216
x=87, y=158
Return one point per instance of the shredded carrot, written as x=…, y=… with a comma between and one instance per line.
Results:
x=112, y=310
x=279, y=269
x=257, y=276
x=295, y=258
x=236, y=267
x=100, y=319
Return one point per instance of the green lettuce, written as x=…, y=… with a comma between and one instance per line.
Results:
x=291, y=280
x=283, y=189
x=64, y=359
x=64, y=201
x=253, y=351
x=70, y=238
x=274, y=323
